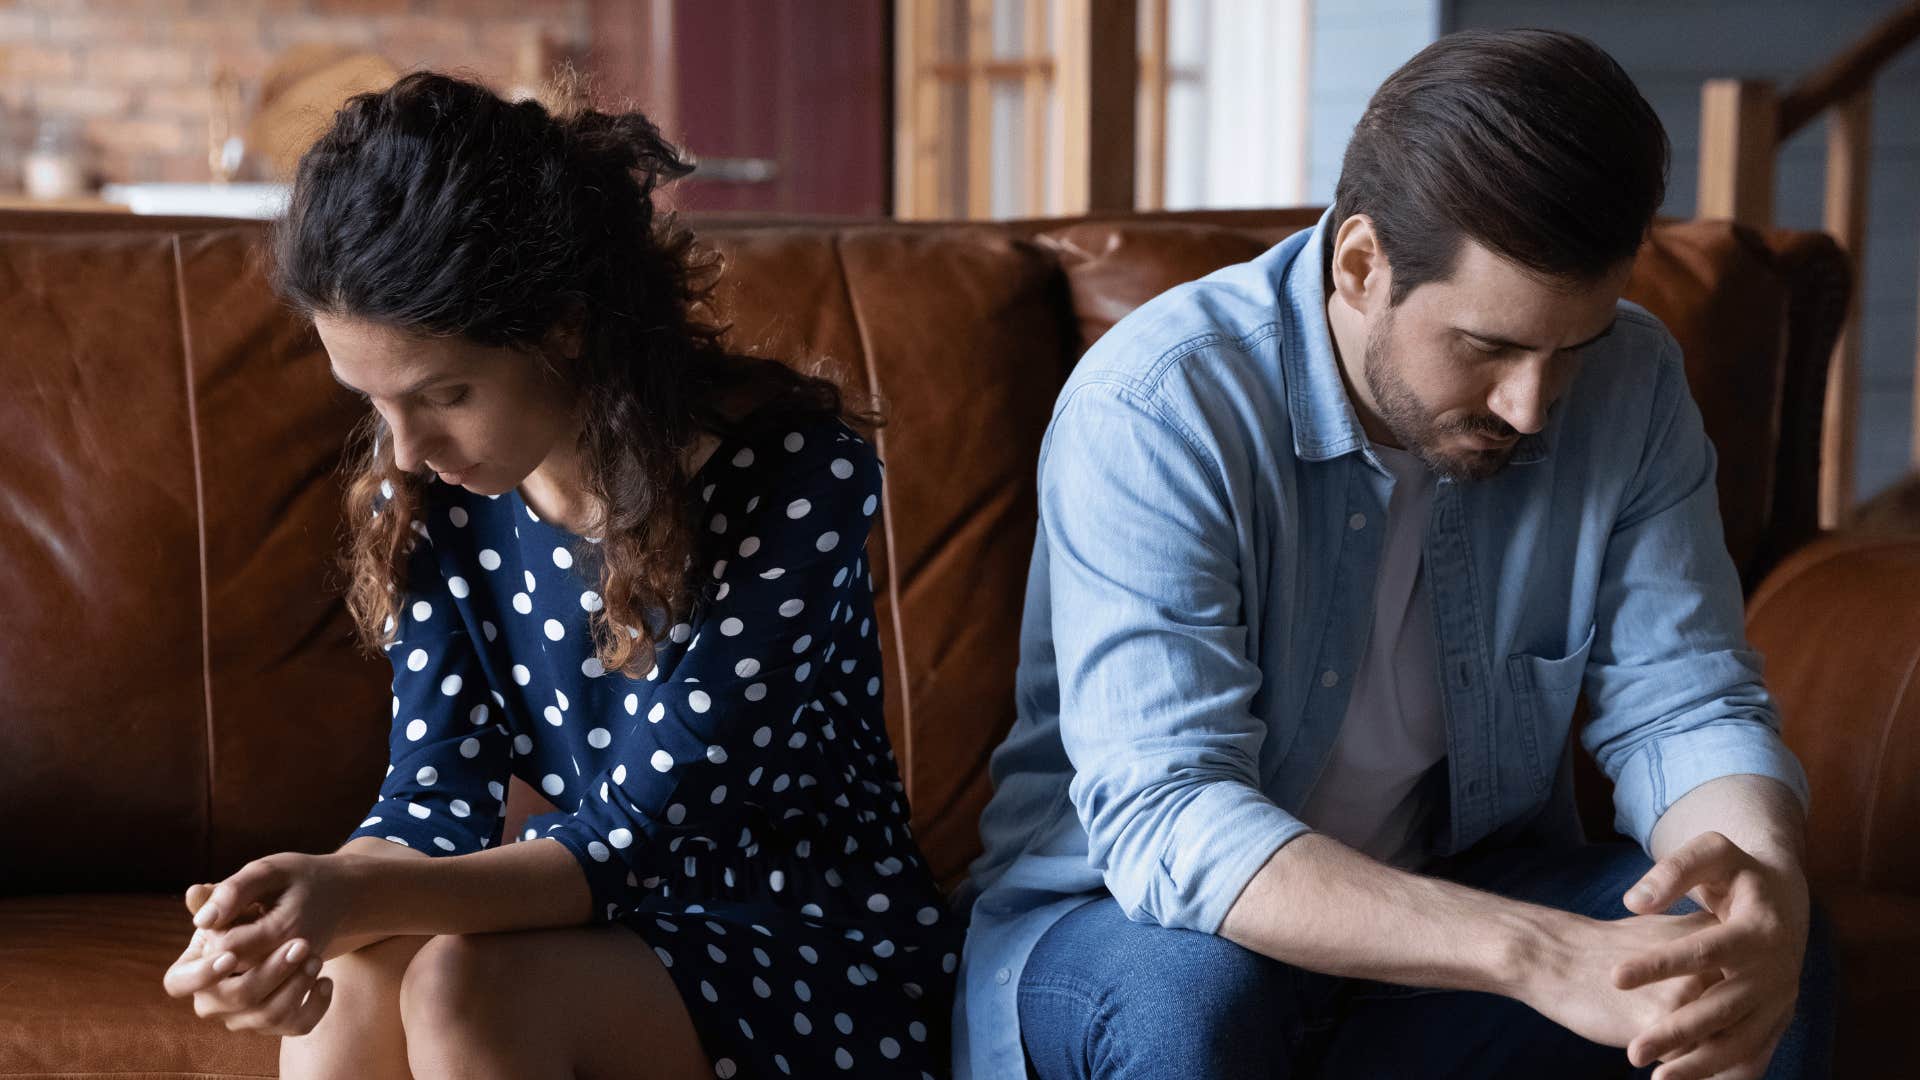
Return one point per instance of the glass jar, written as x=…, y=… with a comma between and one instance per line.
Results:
x=54, y=168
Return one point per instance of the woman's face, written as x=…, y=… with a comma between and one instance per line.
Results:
x=484, y=417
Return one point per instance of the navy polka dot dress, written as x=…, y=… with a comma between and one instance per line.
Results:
x=738, y=806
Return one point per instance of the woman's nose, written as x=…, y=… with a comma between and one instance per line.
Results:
x=410, y=445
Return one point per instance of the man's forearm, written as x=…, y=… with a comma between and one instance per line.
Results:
x=524, y=886
x=1758, y=813
x=1320, y=905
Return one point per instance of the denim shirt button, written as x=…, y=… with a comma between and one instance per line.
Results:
x=1003, y=975
x=1357, y=522
x=1329, y=679
x=1473, y=787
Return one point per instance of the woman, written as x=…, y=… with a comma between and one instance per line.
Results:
x=608, y=557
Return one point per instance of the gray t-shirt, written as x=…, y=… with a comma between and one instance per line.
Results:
x=1369, y=795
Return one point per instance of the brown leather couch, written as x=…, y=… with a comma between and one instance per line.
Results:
x=178, y=691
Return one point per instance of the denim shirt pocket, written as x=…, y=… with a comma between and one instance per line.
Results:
x=1544, y=692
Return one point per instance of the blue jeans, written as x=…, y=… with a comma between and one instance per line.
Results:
x=1106, y=997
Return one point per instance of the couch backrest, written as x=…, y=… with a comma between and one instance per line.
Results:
x=178, y=687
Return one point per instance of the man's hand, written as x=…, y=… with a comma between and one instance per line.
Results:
x=1754, y=946
x=1568, y=974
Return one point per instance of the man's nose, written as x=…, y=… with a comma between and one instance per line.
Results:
x=1521, y=398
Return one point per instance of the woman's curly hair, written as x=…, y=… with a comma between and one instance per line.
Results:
x=437, y=208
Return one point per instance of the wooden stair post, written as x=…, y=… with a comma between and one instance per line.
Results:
x=1849, y=160
x=1737, y=123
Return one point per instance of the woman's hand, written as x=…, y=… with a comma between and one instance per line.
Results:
x=281, y=997
x=255, y=957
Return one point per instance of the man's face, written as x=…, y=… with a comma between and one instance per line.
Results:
x=1461, y=368
x=482, y=417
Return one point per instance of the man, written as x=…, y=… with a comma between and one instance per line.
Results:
x=1330, y=543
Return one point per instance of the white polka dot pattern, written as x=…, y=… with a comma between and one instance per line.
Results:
x=741, y=792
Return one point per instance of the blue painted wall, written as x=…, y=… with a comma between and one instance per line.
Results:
x=1356, y=45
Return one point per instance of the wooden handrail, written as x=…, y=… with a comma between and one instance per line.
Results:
x=1848, y=73
x=1742, y=125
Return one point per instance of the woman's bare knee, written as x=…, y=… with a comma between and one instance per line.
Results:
x=445, y=976
x=361, y=1034
x=453, y=1004
x=508, y=1005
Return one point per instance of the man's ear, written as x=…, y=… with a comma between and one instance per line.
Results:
x=1360, y=272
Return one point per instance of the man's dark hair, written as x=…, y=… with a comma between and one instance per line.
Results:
x=1533, y=143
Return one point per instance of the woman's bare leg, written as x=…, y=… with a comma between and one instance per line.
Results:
x=360, y=1036
x=592, y=1003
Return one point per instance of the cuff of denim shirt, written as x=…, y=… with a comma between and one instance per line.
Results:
x=606, y=871
x=1668, y=767
x=1220, y=841
x=398, y=821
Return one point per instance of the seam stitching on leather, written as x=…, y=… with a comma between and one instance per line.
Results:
x=1879, y=767
x=904, y=753
x=200, y=532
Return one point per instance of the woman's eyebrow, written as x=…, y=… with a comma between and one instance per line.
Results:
x=343, y=382
x=416, y=388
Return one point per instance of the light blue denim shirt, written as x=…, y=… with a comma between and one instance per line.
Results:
x=1200, y=597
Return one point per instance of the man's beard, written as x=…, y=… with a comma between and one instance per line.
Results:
x=1417, y=431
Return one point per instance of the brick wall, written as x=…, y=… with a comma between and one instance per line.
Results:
x=137, y=75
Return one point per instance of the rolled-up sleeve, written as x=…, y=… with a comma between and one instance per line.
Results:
x=1156, y=685
x=1675, y=691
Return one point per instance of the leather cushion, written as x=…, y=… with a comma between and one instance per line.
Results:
x=80, y=994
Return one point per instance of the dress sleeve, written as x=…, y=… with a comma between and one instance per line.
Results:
x=794, y=537
x=449, y=751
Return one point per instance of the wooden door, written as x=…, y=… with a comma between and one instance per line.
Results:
x=787, y=106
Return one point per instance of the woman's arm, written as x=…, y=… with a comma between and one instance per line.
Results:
x=450, y=747
x=385, y=849
x=328, y=905
x=348, y=899
x=523, y=886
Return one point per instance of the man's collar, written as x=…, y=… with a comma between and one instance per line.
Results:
x=1325, y=425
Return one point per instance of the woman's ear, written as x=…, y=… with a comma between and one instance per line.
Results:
x=568, y=335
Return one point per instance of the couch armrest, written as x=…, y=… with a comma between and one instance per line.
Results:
x=1839, y=623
